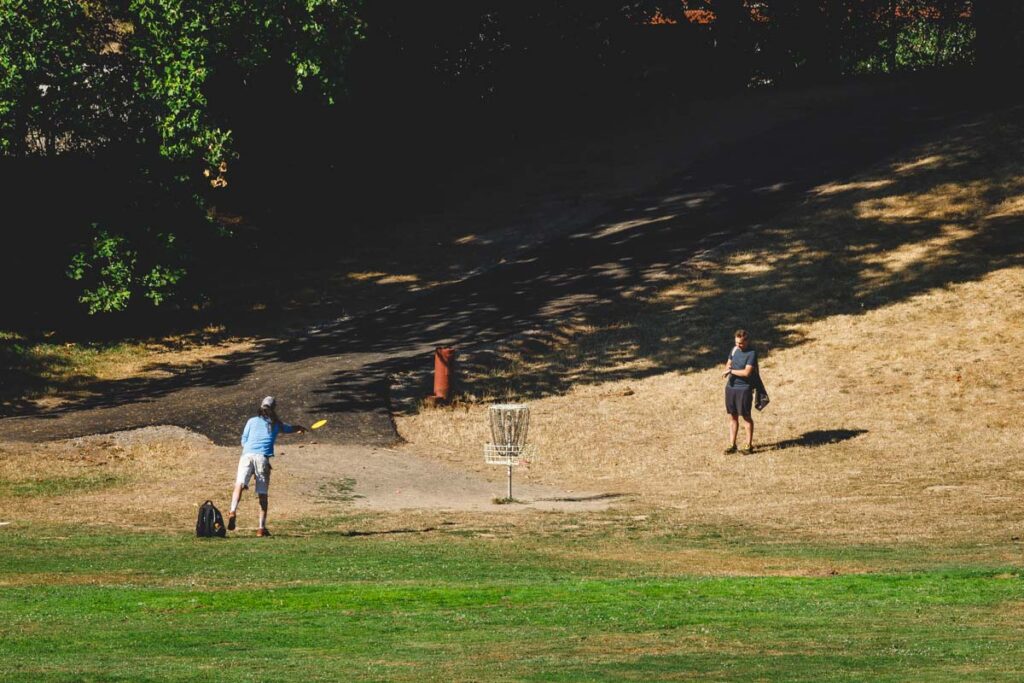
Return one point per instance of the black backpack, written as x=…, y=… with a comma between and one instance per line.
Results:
x=210, y=522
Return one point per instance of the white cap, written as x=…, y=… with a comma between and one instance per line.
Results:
x=268, y=402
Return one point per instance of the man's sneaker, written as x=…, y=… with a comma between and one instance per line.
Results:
x=262, y=532
x=231, y=521
x=749, y=450
x=730, y=450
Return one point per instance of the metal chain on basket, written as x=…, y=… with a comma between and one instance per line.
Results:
x=510, y=424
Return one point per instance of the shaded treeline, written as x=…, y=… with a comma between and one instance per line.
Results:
x=421, y=91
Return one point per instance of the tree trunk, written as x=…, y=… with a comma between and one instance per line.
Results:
x=946, y=11
x=894, y=35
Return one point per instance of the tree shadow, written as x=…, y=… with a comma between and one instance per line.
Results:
x=816, y=437
x=632, y=296
x=858, y=244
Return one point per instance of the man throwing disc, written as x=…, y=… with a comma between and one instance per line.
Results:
x=741, y=369
x=258, y=439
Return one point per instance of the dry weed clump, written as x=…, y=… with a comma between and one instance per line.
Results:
x=886, y=309
x=154, y=474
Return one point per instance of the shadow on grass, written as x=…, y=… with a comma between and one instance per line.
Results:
x=817, y=437
x=26, y=372
x=386, y=532
x=583, y=499
x=631, y=297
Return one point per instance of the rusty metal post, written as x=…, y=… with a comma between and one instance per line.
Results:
x=443, y=359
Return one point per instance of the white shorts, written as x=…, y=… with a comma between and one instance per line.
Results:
x=254, y=465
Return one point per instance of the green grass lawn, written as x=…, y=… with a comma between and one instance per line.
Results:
x=105, y=605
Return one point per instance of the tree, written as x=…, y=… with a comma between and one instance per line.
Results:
x=89, y=76
x=58, y=78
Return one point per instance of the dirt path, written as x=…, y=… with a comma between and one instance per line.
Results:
x=395, y=479
x=160, y=474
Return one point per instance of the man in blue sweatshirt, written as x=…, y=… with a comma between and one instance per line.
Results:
x=258, y=439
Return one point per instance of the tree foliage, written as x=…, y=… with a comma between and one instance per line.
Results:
x=87, y=75
x=167, y=96
x=58, y=80
x=111, y=270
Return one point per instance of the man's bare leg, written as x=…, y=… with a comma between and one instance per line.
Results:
x=263, y=511
x=749, y=426
x=734, y=428
x=236, y=496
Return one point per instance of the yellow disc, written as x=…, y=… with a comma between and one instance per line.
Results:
x=318, y=424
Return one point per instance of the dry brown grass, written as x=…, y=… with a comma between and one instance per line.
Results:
x=169, y=356
x=48, y=374
x=888, y=309
x=712, y=561
x=152, y=478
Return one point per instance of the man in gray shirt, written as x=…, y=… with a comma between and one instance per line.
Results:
x=741, y=369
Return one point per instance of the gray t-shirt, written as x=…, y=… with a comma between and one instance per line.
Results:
x=740, y=360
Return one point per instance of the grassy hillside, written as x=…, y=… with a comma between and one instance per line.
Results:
x=478, y=216
x=886, y=309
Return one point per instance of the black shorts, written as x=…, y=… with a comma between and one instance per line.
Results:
x=738, y=401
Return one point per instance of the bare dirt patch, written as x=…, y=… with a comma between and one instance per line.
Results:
x=157, y=477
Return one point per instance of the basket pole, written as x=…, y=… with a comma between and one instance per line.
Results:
x=510, y=482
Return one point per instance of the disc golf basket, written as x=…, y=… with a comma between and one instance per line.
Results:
x=510, y=424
